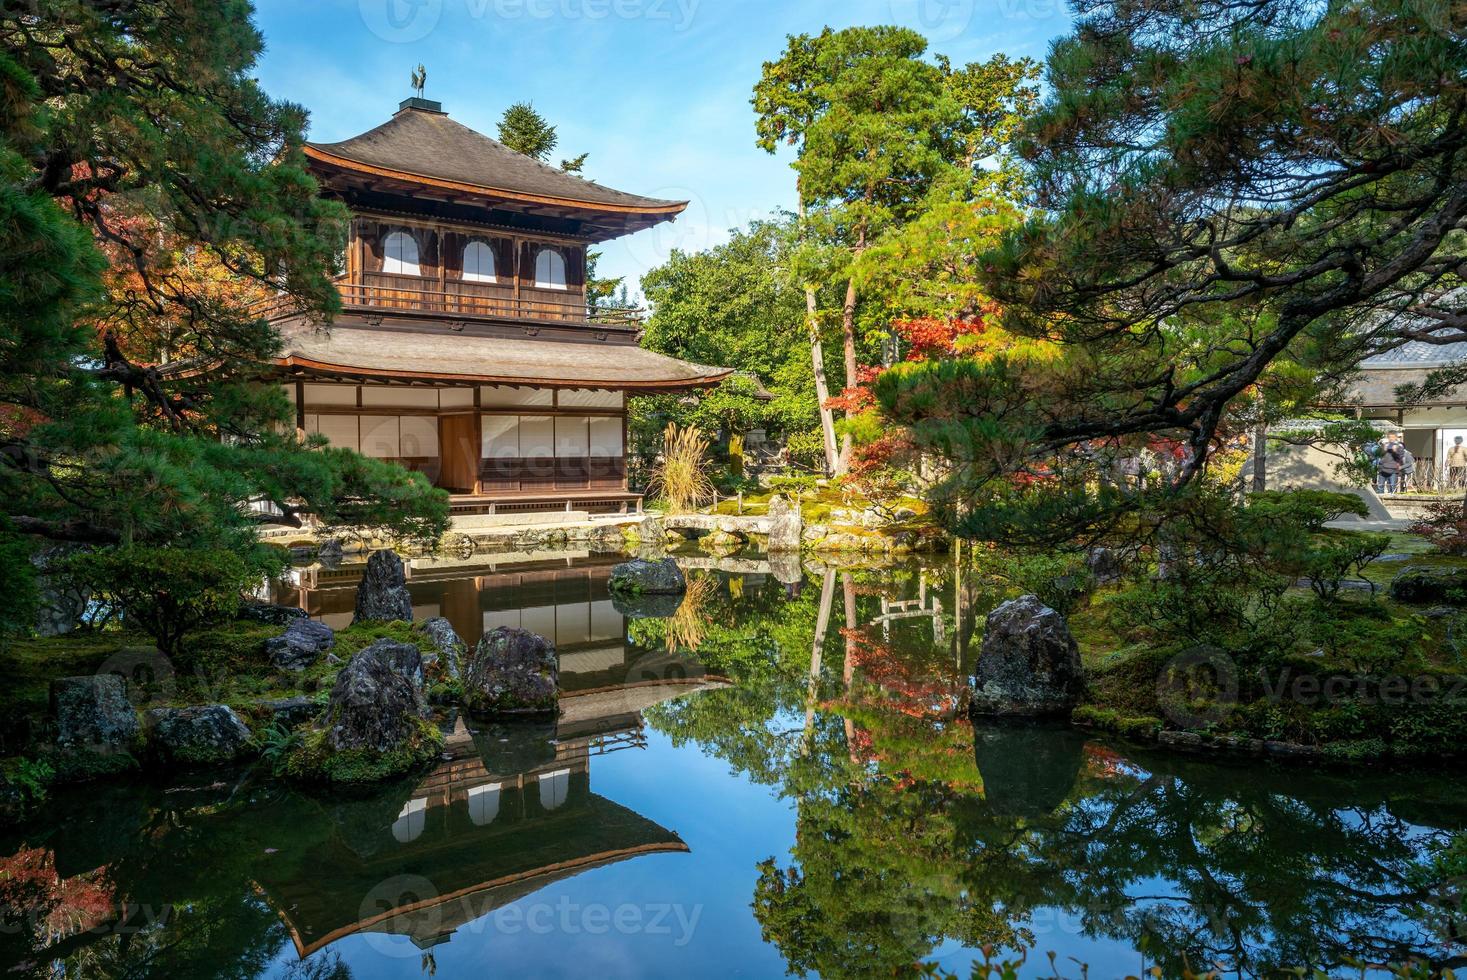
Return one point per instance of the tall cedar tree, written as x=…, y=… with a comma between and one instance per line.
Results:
x=150, y=191
x=876, y=126
x=1225, y=190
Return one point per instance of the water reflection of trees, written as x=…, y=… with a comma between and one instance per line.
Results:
x=913, y=830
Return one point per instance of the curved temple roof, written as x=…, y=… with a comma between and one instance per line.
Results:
x=491, y=360
x=426, y=146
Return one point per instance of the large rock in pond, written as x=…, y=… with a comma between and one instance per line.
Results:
x=373, y=710
x=643, y=577
x=1029, y=665
x=1431, y=585
x=403, y=659
x=450, y=646
x=785, y=531
x=303, y=643
x=372, y=729
x=200, y=735
x=93, y=713
x=512, y=672
x=383, y=595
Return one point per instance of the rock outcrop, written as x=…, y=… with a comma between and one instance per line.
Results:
x=372, y=729
x=288, y=712
x=643, y=577
x=403, y=659
x=512, y=672
x=303, y=643
x=1029, y=664
x=372, y=707
x=451, y=648
x=382, y=595
x=785, y=531
x=93, y=713
x=197, y=736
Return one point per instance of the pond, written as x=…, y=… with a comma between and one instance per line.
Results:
x=777, y=778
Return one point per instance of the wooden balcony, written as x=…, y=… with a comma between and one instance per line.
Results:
x=380, y=292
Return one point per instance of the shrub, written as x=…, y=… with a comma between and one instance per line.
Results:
x=168, y=592
x=1445, y=526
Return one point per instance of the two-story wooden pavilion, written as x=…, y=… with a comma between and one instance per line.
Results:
x=467, y=349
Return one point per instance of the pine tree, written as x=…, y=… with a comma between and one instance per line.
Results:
x=524, y=130
x=150, y=191
x=1233, y=197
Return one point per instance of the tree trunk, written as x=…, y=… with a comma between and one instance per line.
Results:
x=834, y=463
x=1260, y=457
x=848, y=336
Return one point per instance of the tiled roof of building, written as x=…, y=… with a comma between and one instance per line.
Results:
x=422, y=143
x=491, y=360
x=1415, y=354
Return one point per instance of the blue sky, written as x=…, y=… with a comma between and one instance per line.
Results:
x=657, y=91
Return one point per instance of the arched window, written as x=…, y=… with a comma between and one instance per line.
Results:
x=554, y=786
x=550, y=269
x=400, y=254
x=484, y=804
x=478, y=262
x=411, y=821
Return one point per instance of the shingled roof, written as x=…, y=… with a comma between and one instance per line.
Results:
x=424, y=143
x=490, y=360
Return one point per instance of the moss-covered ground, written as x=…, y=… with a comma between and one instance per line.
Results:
x=1369, y=678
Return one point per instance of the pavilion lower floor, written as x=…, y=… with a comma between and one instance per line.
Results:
x=496, y=449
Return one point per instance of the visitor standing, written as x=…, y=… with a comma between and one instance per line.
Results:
x=1457, y=464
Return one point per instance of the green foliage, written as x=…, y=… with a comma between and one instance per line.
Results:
x=1218, y=236
x=276, y=744
x=1224, y=569
x=1061, y=580
x=150, y=194
x=32, y=777
x=170, y=592
x=524, y=130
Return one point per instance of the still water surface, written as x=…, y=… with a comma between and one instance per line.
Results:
x=776, y=778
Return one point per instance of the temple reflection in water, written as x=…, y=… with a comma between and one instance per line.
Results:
x=509, y=809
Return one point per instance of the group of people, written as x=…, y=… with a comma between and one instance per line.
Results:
x=1395, y=467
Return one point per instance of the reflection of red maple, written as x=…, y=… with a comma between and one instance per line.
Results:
x=31, y=888
x=915, y=689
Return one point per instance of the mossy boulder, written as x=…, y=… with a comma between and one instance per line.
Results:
x=643, y=577
x=197, y=736
x=382, y=595
x=303, y=643
x=450, y=649
x=1431, y=585
x=513, y=672
x=1029, y=665
x=93, y=714
x=373, y=728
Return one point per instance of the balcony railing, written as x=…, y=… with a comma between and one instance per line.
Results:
x=378, y=292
